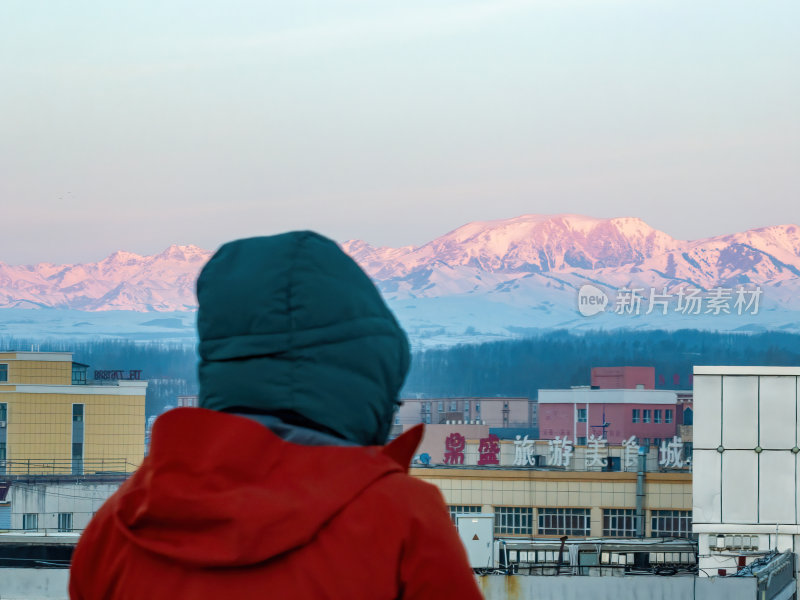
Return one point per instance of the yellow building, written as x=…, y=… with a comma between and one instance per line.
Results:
x=53, y=420
x=581, y=498
x=540, y=503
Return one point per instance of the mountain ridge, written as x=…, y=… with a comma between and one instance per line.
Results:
x=522, y=261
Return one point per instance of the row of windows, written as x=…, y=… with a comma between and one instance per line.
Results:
x=460, y=509
x=30, y=521
x=671, y=523
x=637, y=416
x=564, y=521
x=643, y=416
x=517, y=520
x=425, y=407
x=549, y=557
x=617, y=522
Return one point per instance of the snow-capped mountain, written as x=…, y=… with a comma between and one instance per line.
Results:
x=494, y=277
x=570, y=250
x=122, y=281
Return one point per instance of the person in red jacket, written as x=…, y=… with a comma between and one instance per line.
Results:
x=280, y=485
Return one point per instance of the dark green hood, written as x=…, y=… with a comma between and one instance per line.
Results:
x=290, y=323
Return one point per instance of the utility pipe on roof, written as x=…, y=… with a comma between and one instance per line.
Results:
x=640, y=491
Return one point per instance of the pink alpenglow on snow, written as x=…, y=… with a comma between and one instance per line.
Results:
x=545, y=257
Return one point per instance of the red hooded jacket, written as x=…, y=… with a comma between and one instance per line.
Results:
x=224, y=508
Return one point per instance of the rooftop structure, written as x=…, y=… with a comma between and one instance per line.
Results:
x=617, y=378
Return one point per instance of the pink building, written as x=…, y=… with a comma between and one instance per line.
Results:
x=624, y=378
x=616, y=414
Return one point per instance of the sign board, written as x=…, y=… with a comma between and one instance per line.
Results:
x=115, y=375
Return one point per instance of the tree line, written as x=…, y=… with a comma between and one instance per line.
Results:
x=519, y=367
x=559, y=359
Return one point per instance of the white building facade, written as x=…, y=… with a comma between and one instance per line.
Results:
x=44, y=505
x=746, y=494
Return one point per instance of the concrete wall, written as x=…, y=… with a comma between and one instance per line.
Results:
x=33, y=584
x=500, y=587
x=48, y=499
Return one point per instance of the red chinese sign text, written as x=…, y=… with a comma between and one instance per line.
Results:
x=488, y=450
x=454, y=449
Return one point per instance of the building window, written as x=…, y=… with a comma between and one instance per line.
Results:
x=639, y=386
x=564, y=521
x=513, y=520
x=78, y=374
x=646, y=415
x=657, y=416
x=77, y=439
x=581, y=415
x=671, y=523
x=426, y=418
x=581, y=441
x=426, y=407
x=3, y=372
x=3, y=412
x=65, y=521
x=460, y=509
x=453, y=406
x=478, y=408
x=668, y=416
x=30, y=521
x=645, y=442
x=619, y=522
x=440, y=406
x=635, y=416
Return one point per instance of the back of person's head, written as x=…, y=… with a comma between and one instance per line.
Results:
x=289, y=325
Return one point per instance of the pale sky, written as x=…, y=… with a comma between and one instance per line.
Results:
x=134, y=125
